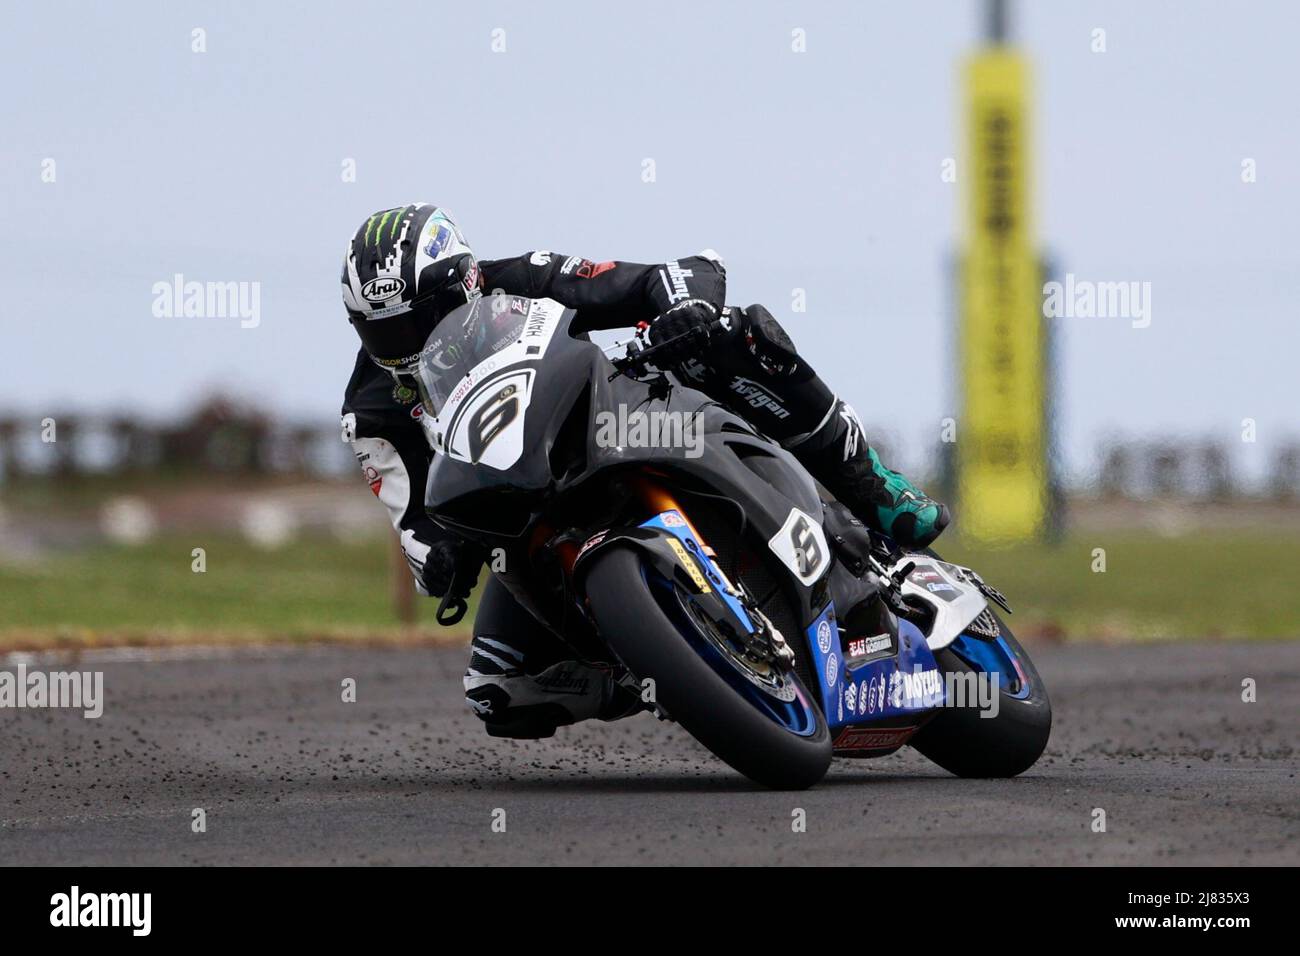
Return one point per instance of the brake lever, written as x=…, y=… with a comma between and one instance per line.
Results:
x=644, y=356
x=891, y=585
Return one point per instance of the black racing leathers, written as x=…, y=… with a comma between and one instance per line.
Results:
x=752, y=367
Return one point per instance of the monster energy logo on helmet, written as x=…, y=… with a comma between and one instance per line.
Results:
x=389, y=254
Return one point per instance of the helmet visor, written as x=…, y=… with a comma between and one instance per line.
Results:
x=395, y=336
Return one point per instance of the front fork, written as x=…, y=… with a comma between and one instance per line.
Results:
x=693, y=554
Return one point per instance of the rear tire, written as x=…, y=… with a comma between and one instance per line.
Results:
x=968, y=745
x=647, y=641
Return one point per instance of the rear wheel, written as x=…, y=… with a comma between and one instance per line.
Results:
x=967, y=744
x=778, y=742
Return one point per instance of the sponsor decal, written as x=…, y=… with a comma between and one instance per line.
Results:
x=376, y=223
x=924, y=573
x=872, y=738
x=383, y=288
x=693, y=569
x=862, y=646
x=389, y=310
x=439, y=241
x=536, y=325
x=562, y=682
x=373, y=478
x=910, y=690
x=873, y=695
x=758, y=397
x=471, y=277
x=672, y=519
x=589, y=269
x=922, y=684
x=824, y=636
x=674, y=279
x=832, y=668
x=851, y=698
x=940, y=586
x=540, y=258
x=591, y=542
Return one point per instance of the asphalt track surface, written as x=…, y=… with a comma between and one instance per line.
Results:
x=1157, y=736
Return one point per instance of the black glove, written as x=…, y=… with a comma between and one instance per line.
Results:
x=680, y=319
x=452, y=562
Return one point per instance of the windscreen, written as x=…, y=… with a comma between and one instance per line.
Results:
x=465, y=339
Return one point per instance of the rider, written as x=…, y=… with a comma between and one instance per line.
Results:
x=407, y=267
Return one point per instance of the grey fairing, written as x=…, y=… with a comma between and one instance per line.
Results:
x=763, y=480
x=954, y=609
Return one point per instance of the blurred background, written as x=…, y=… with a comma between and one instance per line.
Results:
x=1047, y=250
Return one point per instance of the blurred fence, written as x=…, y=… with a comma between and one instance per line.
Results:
x=219, y=436
x=1198, y=470
x=224, y=436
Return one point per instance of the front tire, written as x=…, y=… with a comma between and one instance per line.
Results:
x=640, y=632
x=968, y=745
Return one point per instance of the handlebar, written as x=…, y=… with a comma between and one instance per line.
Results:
x=636, y=360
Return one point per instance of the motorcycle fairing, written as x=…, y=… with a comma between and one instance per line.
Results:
x=482, y=420
x=955, y=599
x=777, y=497
x=908, y=684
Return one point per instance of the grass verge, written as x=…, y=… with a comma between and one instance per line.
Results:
x=1152, y=588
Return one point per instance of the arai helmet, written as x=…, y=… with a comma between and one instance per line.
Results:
x=404, y=270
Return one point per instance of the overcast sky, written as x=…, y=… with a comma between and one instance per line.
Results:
x=816, y=170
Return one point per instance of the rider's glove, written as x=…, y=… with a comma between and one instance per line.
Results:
x=680, y=319
x=445, y=558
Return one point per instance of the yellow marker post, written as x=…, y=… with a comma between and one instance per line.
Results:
x=1002, y=479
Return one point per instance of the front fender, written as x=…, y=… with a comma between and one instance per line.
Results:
x=667, y=543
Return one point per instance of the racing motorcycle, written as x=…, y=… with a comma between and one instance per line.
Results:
x=726, y=593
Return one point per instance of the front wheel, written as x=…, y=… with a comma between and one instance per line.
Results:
x=641, y=618
x=968, y=743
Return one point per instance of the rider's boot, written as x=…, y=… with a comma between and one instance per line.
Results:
x=512, y=703
x=837, y=455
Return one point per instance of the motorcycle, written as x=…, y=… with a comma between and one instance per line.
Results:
x=770, y=624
